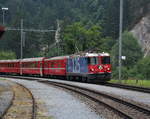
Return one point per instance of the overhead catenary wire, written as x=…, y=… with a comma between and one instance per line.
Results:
x=30, y=30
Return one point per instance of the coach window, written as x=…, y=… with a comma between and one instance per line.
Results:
x=49, y=64
x=59, y=64
x=34, y=65
x=52, y=64
x=44, y=64
x=37, y=64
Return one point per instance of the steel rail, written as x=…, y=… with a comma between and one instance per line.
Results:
x=128, y=87
x=146, y=111
x=33, y=101
x=66, y=86
x=134, y=88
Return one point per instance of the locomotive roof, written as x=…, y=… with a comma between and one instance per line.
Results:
x=33, y=59
x=90, y=54
x=57, y=58
x=2, y=61
x=97, y=54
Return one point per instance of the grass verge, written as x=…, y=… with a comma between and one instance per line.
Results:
x=2, y=79
x=141, y=83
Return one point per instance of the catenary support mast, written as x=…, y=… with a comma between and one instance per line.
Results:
x=120, y=38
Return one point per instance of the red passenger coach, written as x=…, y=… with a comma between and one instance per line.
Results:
x=55, y=66
x=32, y=66
x=9, y=66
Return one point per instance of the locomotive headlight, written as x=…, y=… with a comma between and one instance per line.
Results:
x=100, y=67
x=108, y=68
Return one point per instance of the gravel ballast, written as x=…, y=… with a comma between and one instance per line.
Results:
x=143, y=98
x=58, y=104
x=6, y=96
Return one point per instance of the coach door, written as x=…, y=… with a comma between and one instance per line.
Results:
x=41, y=69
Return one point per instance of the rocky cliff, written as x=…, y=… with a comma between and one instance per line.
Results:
x=142, y=32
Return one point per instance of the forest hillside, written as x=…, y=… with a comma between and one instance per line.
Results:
x=92, y=25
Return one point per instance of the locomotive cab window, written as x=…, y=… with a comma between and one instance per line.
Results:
x=93, y=60
x=105, y=60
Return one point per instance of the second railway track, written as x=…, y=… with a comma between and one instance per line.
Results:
x=128, y=87
x=134, y=88
x=123, y=108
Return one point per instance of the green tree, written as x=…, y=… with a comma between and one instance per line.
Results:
x=79, y=37
x=132, y=51
x=143, y=68
x=92, y=14
x=130, y=48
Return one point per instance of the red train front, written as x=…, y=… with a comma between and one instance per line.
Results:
x=90, y=67
x=99, y=66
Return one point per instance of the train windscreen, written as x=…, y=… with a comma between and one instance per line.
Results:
x=93, y=60
x=106, y=60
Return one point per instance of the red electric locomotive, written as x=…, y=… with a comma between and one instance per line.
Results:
x=89, y=67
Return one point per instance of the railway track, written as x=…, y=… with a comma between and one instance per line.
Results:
x=123, y=108
x=33, y=101
x=22, y=105
x=134, y=88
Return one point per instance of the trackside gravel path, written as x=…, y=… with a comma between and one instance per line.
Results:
x=6, y=95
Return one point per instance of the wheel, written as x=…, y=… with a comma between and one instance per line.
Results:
x=84, y=79
x=88, y=80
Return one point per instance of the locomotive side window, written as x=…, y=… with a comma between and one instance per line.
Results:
x=92, y=60
x=105, y=60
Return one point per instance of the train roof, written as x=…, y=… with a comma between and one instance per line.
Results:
x=33, y=59
x=57, y=58
x=90, y=54
x=7, y=61
x=97, y=54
